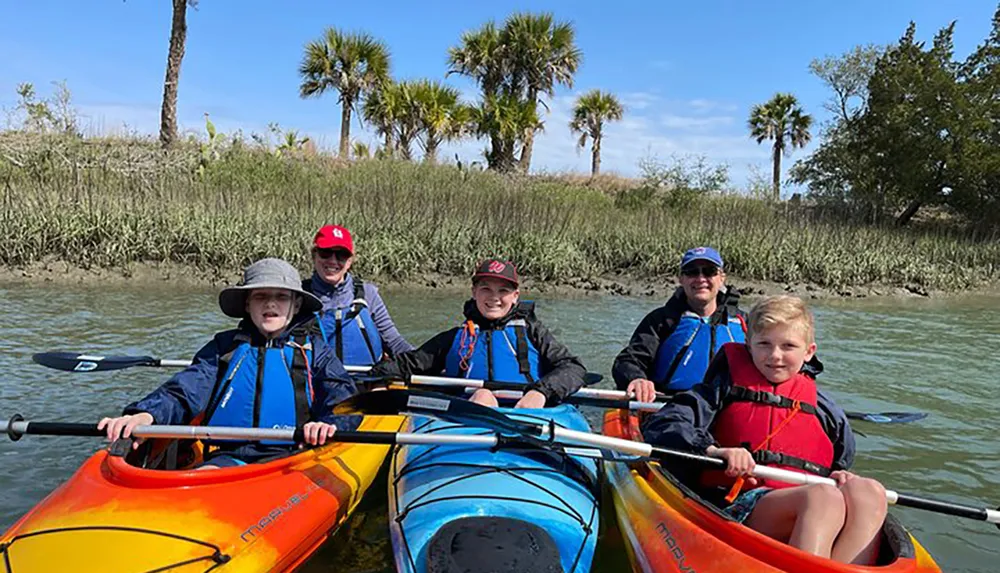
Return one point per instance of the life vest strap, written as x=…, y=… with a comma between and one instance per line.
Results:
x=301, y=378
x=741, y=394
x=767, y=457
x=523, y=364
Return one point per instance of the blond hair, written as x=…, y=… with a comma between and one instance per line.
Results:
x=779, y=311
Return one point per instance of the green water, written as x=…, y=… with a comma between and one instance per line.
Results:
x=936, y=356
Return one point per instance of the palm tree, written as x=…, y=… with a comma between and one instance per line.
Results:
x=353, y=64
x=506, y=118
x=781, y=120
x=480, y=57
x=544, y=54
x=178, y=36
x=408, y=124
x=381, y=108
x=592, y=110
x=441, y=115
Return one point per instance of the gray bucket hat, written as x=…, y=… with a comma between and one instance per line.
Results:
x=266, y=273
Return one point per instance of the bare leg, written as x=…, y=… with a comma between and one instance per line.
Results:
x=808, y=517
x=206, y=467
x=866, y=508
x=485, y=398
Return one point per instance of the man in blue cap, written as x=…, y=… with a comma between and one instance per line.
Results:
x=672, y=346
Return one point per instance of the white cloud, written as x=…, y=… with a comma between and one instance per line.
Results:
x=695, y=123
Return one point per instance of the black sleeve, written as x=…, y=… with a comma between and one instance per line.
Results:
x=428, y=359
x=636, y=359
x=561, y=371
x=685, y=422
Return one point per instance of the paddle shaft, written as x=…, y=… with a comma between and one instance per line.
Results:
x=16, y=428
x=787, y=476
x=583, y=398
x=80, y=362
x=603, y=398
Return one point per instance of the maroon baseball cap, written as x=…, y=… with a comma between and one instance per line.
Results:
x=497, y=269
x=334, y=237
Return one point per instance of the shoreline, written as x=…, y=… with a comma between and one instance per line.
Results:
x=173, y=275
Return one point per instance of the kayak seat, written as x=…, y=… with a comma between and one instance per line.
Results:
x=492, y=545
x=895, y=543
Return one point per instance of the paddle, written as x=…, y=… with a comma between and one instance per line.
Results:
x=876, y=418
x=16, y=427
x=445, y=407
x=77, y=362
x=603, y=398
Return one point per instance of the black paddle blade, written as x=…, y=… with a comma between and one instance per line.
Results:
x=887, y=417
x=435, y=405
x=77, y=362
x=591, y=378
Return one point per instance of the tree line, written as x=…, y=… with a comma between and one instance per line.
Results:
x=912, y=128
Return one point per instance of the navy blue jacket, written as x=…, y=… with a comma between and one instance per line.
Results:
x=187, y=393
x=685, y=422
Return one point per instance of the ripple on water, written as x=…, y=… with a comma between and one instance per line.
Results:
x=936, y=357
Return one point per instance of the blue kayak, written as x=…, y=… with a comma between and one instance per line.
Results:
x=465, y=508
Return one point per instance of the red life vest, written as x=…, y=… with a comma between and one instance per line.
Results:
x=755, y=408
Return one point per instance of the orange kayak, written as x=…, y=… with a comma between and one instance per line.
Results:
x=111, y=516
x=667, y=527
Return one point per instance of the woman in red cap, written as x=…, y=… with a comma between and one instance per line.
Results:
x=354, y=320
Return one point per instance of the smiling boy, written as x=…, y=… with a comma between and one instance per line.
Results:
x=757, y=405
x=500, y=340
x=272, y=371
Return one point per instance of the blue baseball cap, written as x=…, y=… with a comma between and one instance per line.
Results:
x=702, y=254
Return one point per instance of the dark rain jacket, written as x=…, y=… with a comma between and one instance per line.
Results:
x=561, y=373
x=638, y=358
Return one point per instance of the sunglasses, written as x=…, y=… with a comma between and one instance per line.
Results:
x=707, y=272
x=341, y=254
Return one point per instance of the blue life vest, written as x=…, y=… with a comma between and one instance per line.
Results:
x=351, y=331
x=682, y=359
x=263, y=387
x=504, y=355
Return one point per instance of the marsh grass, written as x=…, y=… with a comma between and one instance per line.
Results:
x=110, y=203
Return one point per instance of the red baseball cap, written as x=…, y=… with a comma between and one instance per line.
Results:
x=497, y=269
x=334, y=237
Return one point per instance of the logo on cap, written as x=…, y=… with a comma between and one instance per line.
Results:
x=698, y=250
x=497, y=267
x=338, y=233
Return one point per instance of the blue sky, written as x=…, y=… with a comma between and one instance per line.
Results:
x=687, y=72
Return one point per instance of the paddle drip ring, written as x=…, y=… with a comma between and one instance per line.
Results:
x=11, y=432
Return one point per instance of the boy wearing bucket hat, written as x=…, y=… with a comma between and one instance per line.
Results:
x=499, y=340
x=272, y=371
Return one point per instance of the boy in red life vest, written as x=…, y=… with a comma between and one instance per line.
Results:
x=499, y=340
x=757, y=405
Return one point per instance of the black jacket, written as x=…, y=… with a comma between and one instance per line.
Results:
x=636, y=360
x=561, y=372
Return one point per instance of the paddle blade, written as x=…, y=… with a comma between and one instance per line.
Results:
x=591, y=378
x=887, y=417
x=76, y=362
x=435, y=405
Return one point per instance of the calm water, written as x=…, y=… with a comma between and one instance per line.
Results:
x=932, y=356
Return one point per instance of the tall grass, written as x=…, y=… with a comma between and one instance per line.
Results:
x=114, y=203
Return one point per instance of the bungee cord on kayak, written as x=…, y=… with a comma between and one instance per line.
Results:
x=217, y=557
